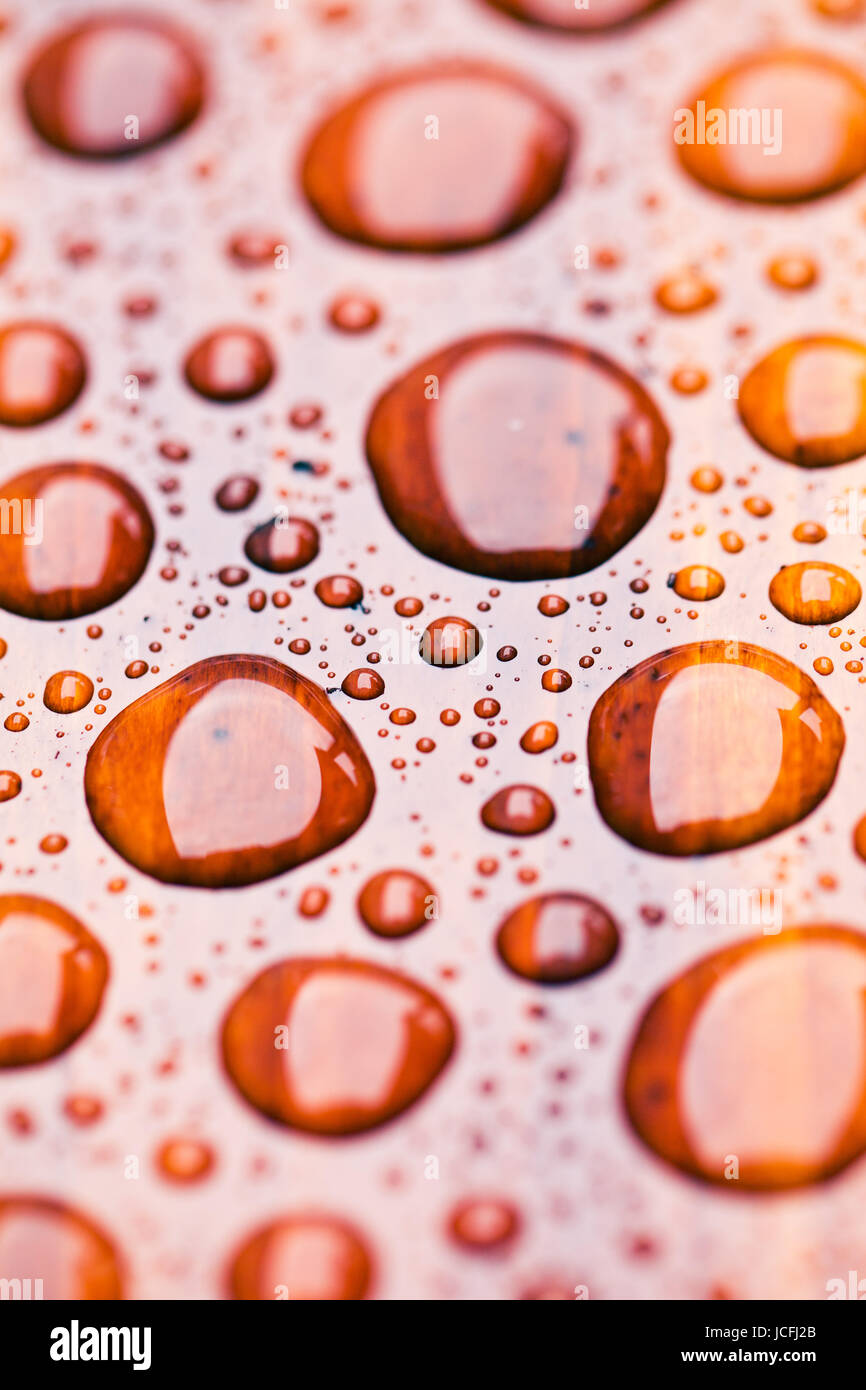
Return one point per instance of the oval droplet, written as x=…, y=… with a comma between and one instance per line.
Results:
x=481, y=1224
x=814, y=591
x=539, y=737
x=360, y=1044
x=518, y=810
x=557, y=938
x=383, y=171
x=698, y=583
x=283, y=544
x=811, y=139
x=310, y=1257
x=363, y=684
x=450, y=642
x=66, y=692
x=570, y=446
x=711, y=746
x=694, y=1093
x=567, y=15
x=805, y=401
x=395, y=902
x=338, y=591
x=58, y=1248
x=95, y=537
x=230, y=364
x=237, y=493
x=52, y=977
x=231, y=772
x=113, y=85
x=42, y=371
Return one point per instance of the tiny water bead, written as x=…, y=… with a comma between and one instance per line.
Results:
x=792, y=272
x=694, y=1093
x=805, y=401
x=380, y=170
x=814, y=591
x=237, y=493
x=229, y=364
x=42, y=372
x=518, y=810
x=697, y=583
x=566, y=15
x=353, y=313
x=185, y=1160
x=539, y=737
x=310, y=1256
x=450, y=642
x=360, y=1044
x=58, y=1249
x=82, y=85
x=809, y=532
x=283, y=544
x=96, y=539
x=571, y=446
x=339, y=591
x=686, y=293
x=252, y=250
x=814, y=145
x=706, y=479
x=483, y=1224
x=760, y=745
x=66, y=692
x=556, y=938
x=362, y=684
x=233, y=771
x=396, y=903
x=52, y=977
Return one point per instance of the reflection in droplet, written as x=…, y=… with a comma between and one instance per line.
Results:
x=484, y=1223
x=450, y=642
x=232, y=771
x=757, y=1052
x=518, y=810
x=66, y=692
x=759, y=742
x=229, y=364
x=805, y=401
x=698, y=583
x=556, y=938
x=283, y=544
x=814, y=591
x=335, y=1046
x=396, y=902
x=42, y=371
x=302, y=1258
x=570, y=446
x=43, y=1240
x=579, y=18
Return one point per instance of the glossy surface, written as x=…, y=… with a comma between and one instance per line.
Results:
x=805, y=401
x=396, y=902
x=284, y=544
x=556, y=938
x=230, y=364
x=45, y=1239
x=303, y=1257
x=42, y=372
x=518, y=810
x=593, y=16
x=814, y=591
x=66, y=692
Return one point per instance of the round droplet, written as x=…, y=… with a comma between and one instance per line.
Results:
x=16, y=723
x=42, y=371
x=339, y=591
x=805, y=401
x=396, y=902
x=792, y=272
x=185, y=1160
x=95, y=537
x=556, y=938
x=354, y=313
x=686, y=293
x=363, y=684
x=800, y=128
x=57, y=1250
x=52, y=975
x=698, y=583
x=539, y=737
x=484, y=1223
x=10, y=785
x=359, y=1044
x=711, y=746
x=114, y=85
x=283, y=544
x=66, y=692
x=757, y=1052
x=234, y=770
x=570, y=446
x=384, y=171
x=229, y=364
x=706, y=479
x=556, y=681
x=814, y=592
x=809, y=532
x=450, y=642
x=519, y=810
x=589, y=17
x=302, y=1258
x=236, y=493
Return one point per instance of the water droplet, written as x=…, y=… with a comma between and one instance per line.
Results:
x=484, y=1223
x=234, y=770
x=556, y=938
x=578, y=480
x=362, y=1043
x=339, y=591
x=809, y=532
x=686, y=293
x=236, y=493
x=354, y=313
x=698, y=583
x=760, y=742
x=252, y=250
x=792, y=272
x=311, y=1257
x=282, y=544
x=814, y=591
x=518, y=810
x=565, y=14
x=706, y=479
x=539, y=737
x=10, y=785
x=395, y=902
x=229, y=364
x=42, y=371
x=362, y=684
x=450, y=642
x=185, y=1160
x=66, y=692
x=805, y=401
x=41, y=1239
x=552, y=606
x=52, y=975
x=555, y=681
x=16, y=723
x=382, y=171
x=694, y=1093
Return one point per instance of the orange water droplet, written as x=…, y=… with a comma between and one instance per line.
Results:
x=395, y=902
x=135, y=670
x=313, y=901
x=556, y=938
x=571, y=447
x=66, y=692
x=53, y=844
x=818, y=143
x=339, y=591
x=335, y=1046
x=234, y=770
x=552, y=606
x=81, y=87
x=688, y=381
x=283, y=544
x=354, y=313
x=731, y=542
x=450, y=642
x=555, y=680
x=694, y=1093
x=408, y=607
x=759, y=742
x=10, y=785
x=792, y=272
x=809, y=532
x=539, y=737
x=698, y=583
x=381, y=170
x=52, y=975
x=42, y=371
x=518, y=810
x=77, y=568
x=805, y=401
x=814, y=591
x=302, y=1258
x=706, y=479
x=565, y=14
x=254, y=249
x=860, y=837
x=484, y=1223
x=185, y=1160
x=16, y=723
x=686, y=293
x=363, y=684
x=823, y=665
x=230, y=364
x=236, y=493
x=44, y=1240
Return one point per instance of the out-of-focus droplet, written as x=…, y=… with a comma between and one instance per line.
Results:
x=805, y=401
x=483, y=1224
x=230, y=364
x=58, y=1250
x=570, y=446
x=185, y=1160
x=792, y=272
x=302, y=1258
x=592, y=17
x=335, y=1046
x=42, y=371
x=66, y=692
x=396, y=902
x=711, y=746
x=232, y=771
x=556, y=938
x=237, y=493
x=706, y=479
x=686, y=293
x=814, y=591
x=518, y=810
x=283, y=544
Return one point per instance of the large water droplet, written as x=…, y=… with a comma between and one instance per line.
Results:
x=568, y=15
x=805, y=401
x=814, y=591
x=312, y=1256
x=41, y=1239
x=42, y=371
